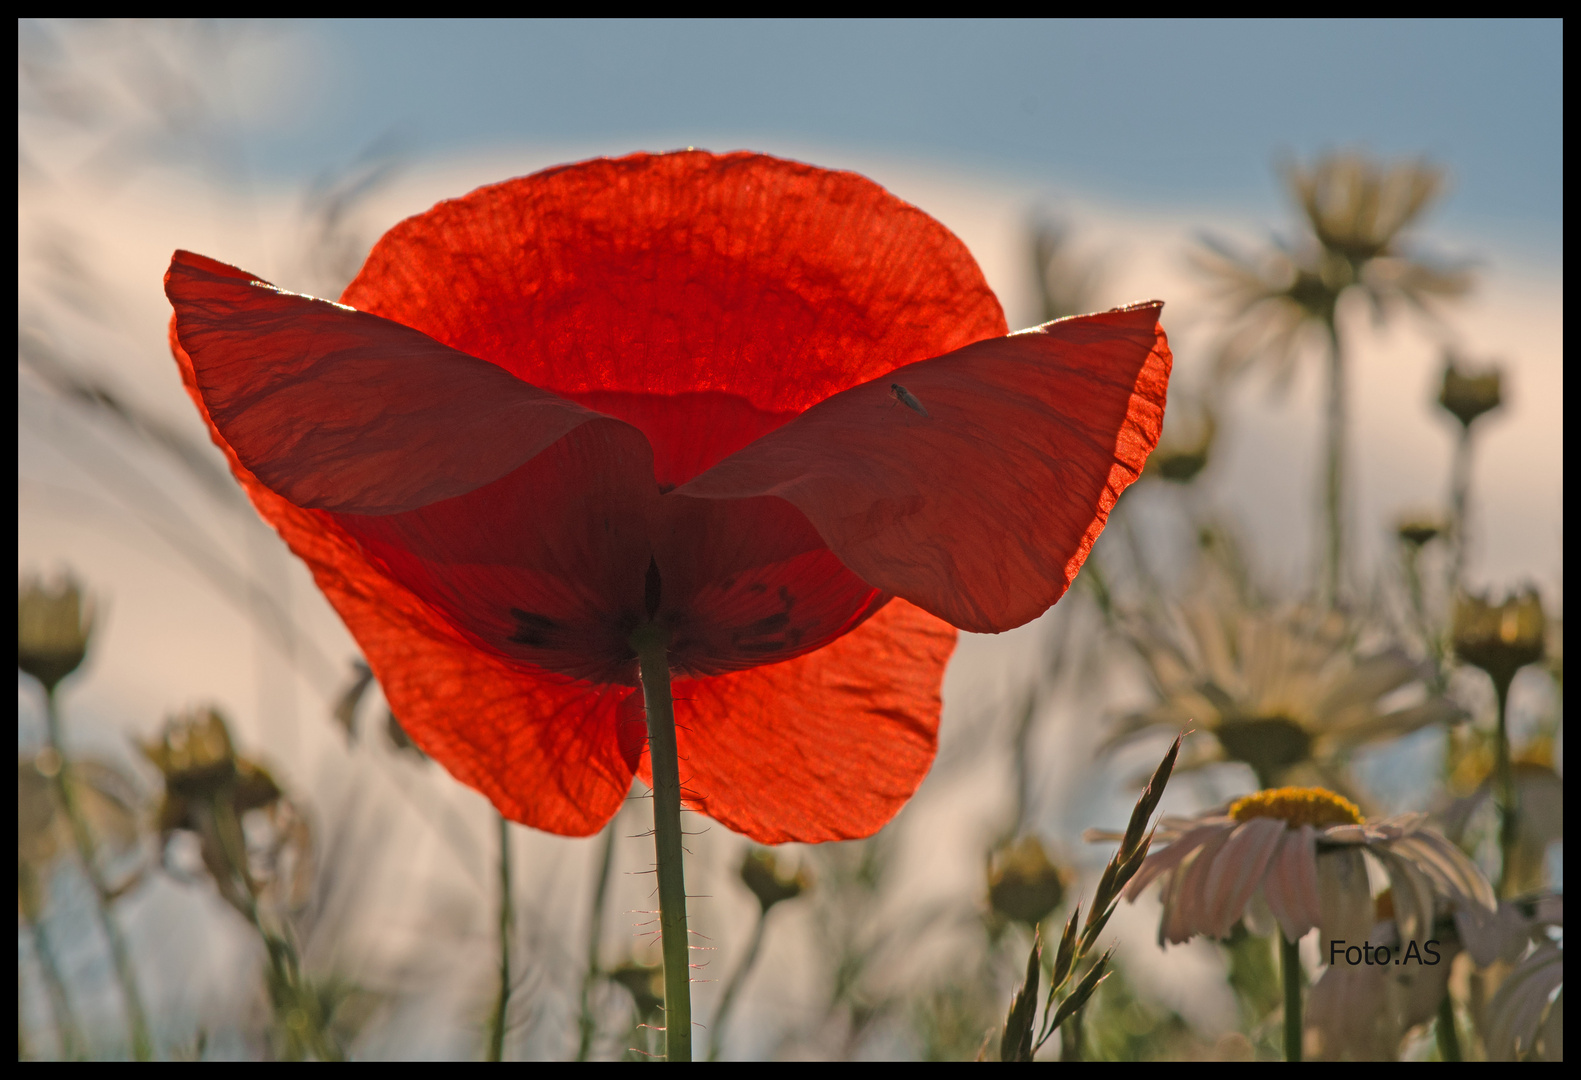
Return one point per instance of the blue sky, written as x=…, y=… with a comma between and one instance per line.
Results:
x=1162, y=112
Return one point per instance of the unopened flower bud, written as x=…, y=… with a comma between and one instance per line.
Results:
x=1183, y=451
x=1024, y=884
x=762, y=873
x=1467, y=394
x=52, y=630
x=1420, y=530
x=645, y=982
x=194, y=754
x=1500, y=639
x=198, y=761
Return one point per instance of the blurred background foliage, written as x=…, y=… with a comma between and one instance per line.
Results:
x=183, y=895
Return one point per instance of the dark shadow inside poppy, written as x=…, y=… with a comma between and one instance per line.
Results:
x=546, y=565
x=750, y=582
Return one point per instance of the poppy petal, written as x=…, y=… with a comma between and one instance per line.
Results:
x=681, y=278
x=552, y=754
x=827, y=746
x=748, y=582
x=546, y=565
x=336, y=409
x=976, y=489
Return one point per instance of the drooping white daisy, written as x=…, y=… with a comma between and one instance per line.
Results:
x=1296, y=854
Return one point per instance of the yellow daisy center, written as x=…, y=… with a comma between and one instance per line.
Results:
x=1298, y=806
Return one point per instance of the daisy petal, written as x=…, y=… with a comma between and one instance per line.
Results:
x=1344, y=896
x=1239, y=870
x=1457, y=874
x=1414, y=902
x=1290, y=885
x=1160, y=862
x=1189, y=912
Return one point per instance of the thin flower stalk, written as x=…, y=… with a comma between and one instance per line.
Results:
x=738, y=978
x=1444, y=1029
x=651, y=646
x=1501, y=640
x=1334, y=469
x=1356, y=216
x=1290, y=970
x=120, y=955
x=301, y=1026
x=67, y=1035
x=1459, y=496
x=587, y=1022
x=502, y=999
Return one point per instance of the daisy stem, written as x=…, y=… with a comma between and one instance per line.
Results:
x=503, y=998
x=66, y=789
x=1290, y=962
x=1334, y=471
x=1504, y=780
x=727, y=1000
x=589, y=1022
x=652, y=644
x=66, y=1031
x=1448, y=1037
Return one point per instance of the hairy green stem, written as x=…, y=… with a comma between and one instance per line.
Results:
x=728, y=1001
x=1334, y=472
x=595, y=932
x=1290, y=962
x=652, y=643
x=502, y=1000
x=1448, y=1037
x=65, y=786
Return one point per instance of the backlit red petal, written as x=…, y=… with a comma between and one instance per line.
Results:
x=982, y=510
x=686, y=277
x=827, y=746
x=341, y=410
x=548, y=753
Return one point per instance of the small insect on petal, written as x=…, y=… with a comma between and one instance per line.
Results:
x=906, y=398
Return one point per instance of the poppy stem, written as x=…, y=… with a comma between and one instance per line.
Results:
x=1290, y=961
x=652, y=645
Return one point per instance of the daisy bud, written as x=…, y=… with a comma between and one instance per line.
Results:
x=199, y=764
x=762, y=873
x=1500, y=639
x=1467, y=393
x=646, y=984
x=1420, y=530
x=52, y=629
x=1024, y=884
x=1183, y=450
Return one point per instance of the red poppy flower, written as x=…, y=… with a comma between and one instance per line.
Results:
x=769, y=406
